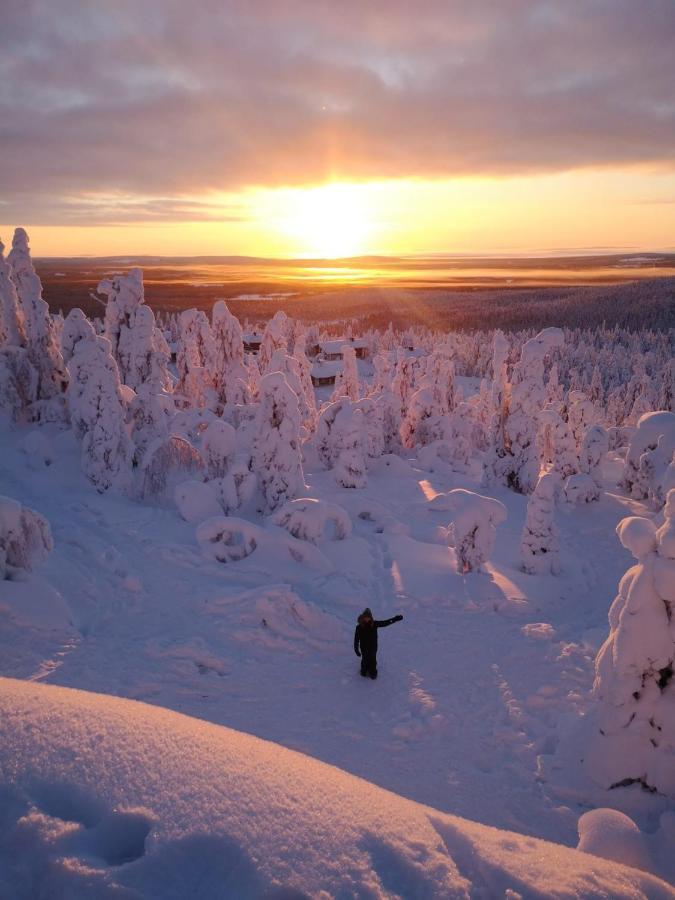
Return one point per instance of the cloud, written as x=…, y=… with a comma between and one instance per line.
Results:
x=168, y=99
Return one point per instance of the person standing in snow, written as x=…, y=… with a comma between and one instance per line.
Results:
x=365, y=640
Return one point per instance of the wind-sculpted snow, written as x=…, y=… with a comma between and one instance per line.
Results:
x=107, y=797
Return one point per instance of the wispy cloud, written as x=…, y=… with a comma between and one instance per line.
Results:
x=170, y=100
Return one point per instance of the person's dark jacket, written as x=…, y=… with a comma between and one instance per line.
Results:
x=365, y=636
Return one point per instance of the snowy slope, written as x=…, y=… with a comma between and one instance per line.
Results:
x=478, y=685
x=104, y=797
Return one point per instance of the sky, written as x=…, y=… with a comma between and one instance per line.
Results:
x=296, y=128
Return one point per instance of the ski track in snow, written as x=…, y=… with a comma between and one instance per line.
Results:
x=473, y=683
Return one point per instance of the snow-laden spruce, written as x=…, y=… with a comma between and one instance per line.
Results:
x=195, y=352
x=557, y=447
x=227, y=370
x=650, y=452
x=539, y=543
x=580, y=416
x=347, y=380
x=276, y=455
x=149, y=415
x=76, y=327
x=586, y=485
x=342, y=442
x=25, y=538
x=514, y=457
x=41, y=339
x=12, y=320
x=634, y=670
x=97, y=413
x=274, y=338
x=136, y=343
x=472, y=530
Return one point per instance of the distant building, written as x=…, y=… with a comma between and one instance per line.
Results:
x=252, y=342
x=324, y=372
x=332, y=350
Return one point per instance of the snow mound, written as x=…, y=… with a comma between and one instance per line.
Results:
x=105, y=797
x=613, y=835
x=25, y=538
x=277, y=618
x=196, y=500
x=314, y=520
x=229, y=539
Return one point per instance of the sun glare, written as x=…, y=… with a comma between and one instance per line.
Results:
x=328, y=221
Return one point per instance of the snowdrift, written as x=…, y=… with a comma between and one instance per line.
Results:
x=106, y=797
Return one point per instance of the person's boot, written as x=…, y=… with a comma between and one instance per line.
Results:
x=373, y=674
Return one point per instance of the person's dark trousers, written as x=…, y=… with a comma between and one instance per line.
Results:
x=369, y=665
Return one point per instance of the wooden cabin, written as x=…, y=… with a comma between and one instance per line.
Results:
x=332, y=350
x=324, y=372
x=252, y=342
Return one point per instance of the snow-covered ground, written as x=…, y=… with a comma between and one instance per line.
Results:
x=116, y=799
x=200, y=530
x=480, y=686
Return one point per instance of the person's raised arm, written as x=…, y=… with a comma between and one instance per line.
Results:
x=382, y=623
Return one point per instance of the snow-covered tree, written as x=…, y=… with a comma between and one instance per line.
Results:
x=422, y=422
x=142, y=351
x=347, y=380
x=390, y=416
x=18, y=384
x=373, y=423
x=149, y=413
x=594, y=447
x=76, y=328
x=402, y=384
x=276, y=454
x=290, y=368
x=539, y=545
x=124, y=295
x=195, y=351
x=440, y=377
x=98, y=414
x=274, y=338
x=473, y=527
x=556, y=444
x=349, y=469
x=12, y=320
x=137, y=344
x=649, y=452
x=312, y=520
x=42, y=345
x=580, y=416
x=219, y=447
x=25, y=538
x=634, y=683
x=228, y=373
x=166, y=462
x=514, y=459
x=383, y=373
x=554, y=390
x=342, y=442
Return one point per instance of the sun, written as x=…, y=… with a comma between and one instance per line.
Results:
x=329, y=221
